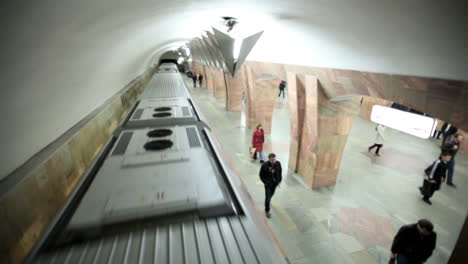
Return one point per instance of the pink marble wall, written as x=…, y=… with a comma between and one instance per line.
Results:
x=369, y=102
x=265, y=95
x=294, y=120
x=211, y=82
x=250, y=98
x=219, y=86
x=308, y=148
x=235, y=88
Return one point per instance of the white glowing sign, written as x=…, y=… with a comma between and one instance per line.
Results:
x=413, y=124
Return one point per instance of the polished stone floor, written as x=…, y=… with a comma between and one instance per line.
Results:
x=356, y=220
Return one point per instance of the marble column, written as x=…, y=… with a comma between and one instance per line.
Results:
x=309, y=113
x=460, y=252
x=265, y=95
x=250, y=98
x=209, y=79
x=235, y=86
x=335, y=120
x=219, y=86
x=295, y=92
x=319, y=130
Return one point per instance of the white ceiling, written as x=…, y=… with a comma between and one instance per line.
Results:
x=62, y=59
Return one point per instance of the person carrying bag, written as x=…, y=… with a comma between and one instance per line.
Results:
x=435, y=174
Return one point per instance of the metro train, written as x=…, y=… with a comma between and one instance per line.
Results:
x=160, y=192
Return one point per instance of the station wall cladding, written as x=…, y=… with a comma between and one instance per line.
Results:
x=30, y=205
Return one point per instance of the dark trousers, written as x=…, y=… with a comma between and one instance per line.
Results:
x=194, y=83
x=281, y=92
x=269, y=191
x=199, y=82
x=402, y=259
x=450, y=170
x=378, y=147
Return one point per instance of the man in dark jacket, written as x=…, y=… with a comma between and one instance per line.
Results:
x=413, y=244
x=194, y=78
x=270, y=174
x=200, y=79
x=436, y=173
x=281, y=88
x=447, y=131
x=452, y=147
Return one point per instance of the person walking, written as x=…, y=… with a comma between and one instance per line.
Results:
x=438, y=131
x=271, y=176
x=414, y=243
x=258, y=138
x=282, y=86
x=200, y=79
x=435, y=174
x=194, y=78
x=447, y=131
x=451, y=147
x=380, y=138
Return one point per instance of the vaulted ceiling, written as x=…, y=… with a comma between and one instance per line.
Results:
x=62, y=59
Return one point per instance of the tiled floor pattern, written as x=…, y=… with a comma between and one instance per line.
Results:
x=354, y=221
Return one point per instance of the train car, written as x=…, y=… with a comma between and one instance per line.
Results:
x=165, y=101
x=160, y=192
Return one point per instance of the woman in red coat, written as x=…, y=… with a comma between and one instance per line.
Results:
x=258, y=137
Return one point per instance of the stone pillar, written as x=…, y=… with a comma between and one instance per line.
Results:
x=250, y=98
x=334, y=124
x=460, y=252
x=308, y=107
x=219, y=85
x=295, y=93
x=265, y=95
x=209, y=79
x=235, y=87
x=464, y=144
x=319, y=130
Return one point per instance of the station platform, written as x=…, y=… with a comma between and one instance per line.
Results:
x=356, y=220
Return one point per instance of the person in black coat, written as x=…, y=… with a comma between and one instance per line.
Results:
x=282, y=85
x=447, y=131
x=194, y=78
x=271, y=176
x=451, y=147
x=435, y=173
x=414, y=244
x=200, y=79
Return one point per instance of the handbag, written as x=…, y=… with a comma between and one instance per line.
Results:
x=426, y=188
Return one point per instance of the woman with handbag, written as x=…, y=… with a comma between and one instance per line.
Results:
x=258, y=138
x=435, y=174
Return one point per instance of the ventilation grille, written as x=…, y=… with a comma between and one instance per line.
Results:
x=193, y=139
x=165, y=85
x=122, y=144
x=138, y=114
x=213, y=240
x=185, y=111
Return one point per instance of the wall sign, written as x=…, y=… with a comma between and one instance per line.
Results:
x=413, y=124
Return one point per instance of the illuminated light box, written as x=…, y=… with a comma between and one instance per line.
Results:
x=413, y=124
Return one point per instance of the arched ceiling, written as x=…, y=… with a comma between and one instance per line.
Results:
x=62, y=59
